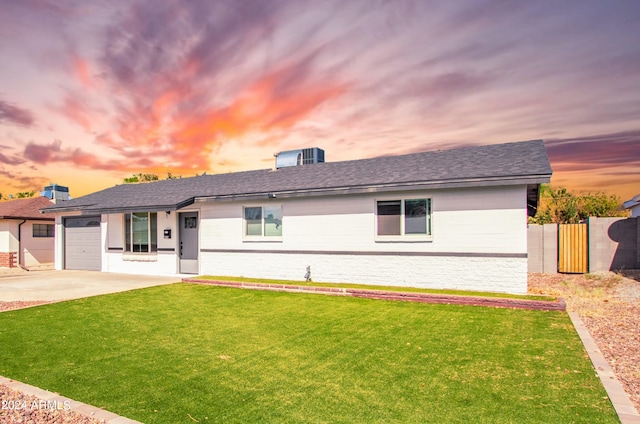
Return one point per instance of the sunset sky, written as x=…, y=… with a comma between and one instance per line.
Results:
x=92, y=92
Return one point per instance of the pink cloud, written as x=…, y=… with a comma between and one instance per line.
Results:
x=10, y=160
x=54, y=153
x=21, y=182
x=15, y=115
x=42, y=154
x=83, y=72
x=75, y=110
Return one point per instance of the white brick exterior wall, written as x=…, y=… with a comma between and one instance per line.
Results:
x=479, y=242
x=508, y=275
x=489, y=220
x=163, y=262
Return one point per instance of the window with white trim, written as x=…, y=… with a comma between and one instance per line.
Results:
x=262, y=221
x=141, y=232
x=43, y=230
x=403, y=217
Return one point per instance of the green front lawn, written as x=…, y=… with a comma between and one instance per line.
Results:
x=184, y=353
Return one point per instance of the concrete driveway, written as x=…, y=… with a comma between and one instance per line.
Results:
x=63, y=285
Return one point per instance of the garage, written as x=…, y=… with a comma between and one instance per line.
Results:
x=82, y=241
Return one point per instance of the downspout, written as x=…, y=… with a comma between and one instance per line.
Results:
x=20, y=246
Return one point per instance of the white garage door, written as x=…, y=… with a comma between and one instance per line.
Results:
x=82, y=243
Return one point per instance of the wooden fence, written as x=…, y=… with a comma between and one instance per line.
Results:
x=573, y=248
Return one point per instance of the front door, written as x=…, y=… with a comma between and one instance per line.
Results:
x=188, y=239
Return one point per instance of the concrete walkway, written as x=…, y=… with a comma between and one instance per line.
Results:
x=64, y=285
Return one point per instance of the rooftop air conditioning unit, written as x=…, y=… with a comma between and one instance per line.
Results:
x=56, y=192
x=299, y=157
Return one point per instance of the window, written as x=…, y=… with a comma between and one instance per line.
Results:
x=43, y=230
x=407, y=217
x=190, y=222
x=263, y=221
x=141, y=232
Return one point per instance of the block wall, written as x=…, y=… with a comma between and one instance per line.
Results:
x=535, y=248
x=613, y=244
x=542, y=248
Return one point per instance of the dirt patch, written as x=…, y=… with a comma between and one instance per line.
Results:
x=609, y=305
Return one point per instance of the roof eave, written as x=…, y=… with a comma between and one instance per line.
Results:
x=63, y=209
x=29, y=218
x=380, y=188
x=630, y=204
x=92, y=210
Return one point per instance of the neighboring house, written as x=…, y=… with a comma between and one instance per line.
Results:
x=441, y=219
x=633, y=205
x=26, y=235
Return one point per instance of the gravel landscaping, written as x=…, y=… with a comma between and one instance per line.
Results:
x=6, y=306
x=19, y=408
x=609, y=305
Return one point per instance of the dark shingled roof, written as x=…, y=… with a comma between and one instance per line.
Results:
x=28, y=208
x=499, y=164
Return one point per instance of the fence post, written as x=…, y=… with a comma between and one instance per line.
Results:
x=638, y=242
x=535, y=248
x=550, y=248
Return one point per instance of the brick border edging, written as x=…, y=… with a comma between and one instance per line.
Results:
x=539, y=305
x=75, y=406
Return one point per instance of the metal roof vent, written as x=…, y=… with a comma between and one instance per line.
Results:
x=299, y=157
